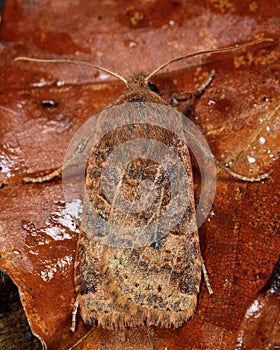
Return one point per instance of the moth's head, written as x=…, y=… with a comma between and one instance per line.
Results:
x=139, y=81
x=140, y=89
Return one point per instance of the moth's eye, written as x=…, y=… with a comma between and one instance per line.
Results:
x=153, y=87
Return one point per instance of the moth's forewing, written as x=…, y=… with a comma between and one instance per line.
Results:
x=128, y=274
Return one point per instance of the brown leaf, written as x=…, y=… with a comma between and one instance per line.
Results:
x=260, y=326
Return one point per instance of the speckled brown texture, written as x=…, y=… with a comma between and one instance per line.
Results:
x=130, y=283
x=238, y=115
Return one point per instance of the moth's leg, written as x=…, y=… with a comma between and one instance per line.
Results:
x=74, y=316
x=78, y=150
x=227, y=170
x=205, y=84
x=80, y=251
x=242, y=177
x=44, y=178
x=176, y=100
x=208, y=155
x=206, y=278
x=81, y=339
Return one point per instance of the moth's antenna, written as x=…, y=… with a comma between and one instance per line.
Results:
x=77, y=63
x=226, y=49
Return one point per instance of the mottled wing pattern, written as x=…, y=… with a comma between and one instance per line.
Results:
x=123, y=282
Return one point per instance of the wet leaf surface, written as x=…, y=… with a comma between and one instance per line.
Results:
x=260, y=326
x=238, y=114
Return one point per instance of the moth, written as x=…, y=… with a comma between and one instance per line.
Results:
x=123, y=283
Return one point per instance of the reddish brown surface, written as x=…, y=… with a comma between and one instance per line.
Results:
x=260, y=326
x=240, y=240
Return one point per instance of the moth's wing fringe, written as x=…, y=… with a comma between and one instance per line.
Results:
x=142, y=317
x=128, y=314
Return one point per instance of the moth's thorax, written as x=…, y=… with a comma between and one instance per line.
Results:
x=140, y=90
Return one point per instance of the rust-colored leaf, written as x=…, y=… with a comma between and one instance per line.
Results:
x=260, y=326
